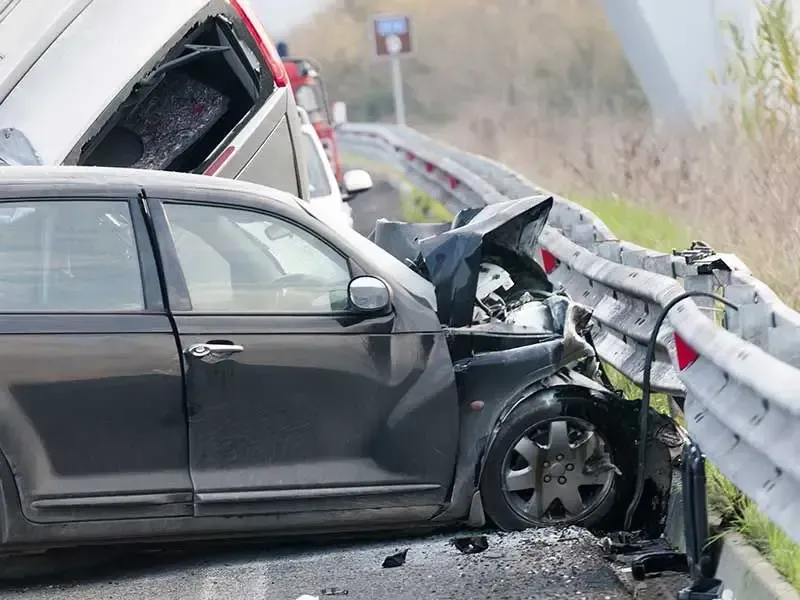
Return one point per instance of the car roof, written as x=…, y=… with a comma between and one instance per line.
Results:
x=66, y=182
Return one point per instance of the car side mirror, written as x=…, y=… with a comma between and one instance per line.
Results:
x=369, y=294
x=356, y=182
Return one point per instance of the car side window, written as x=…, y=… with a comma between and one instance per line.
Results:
x=241, y=261
x=69, y=255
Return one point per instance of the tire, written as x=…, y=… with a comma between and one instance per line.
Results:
x=572, y=411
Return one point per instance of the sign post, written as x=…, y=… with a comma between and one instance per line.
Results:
x=391, y=36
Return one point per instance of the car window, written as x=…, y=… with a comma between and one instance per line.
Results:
x=398, y=271
x=307, y=99
x=318, y=183
x=240, y=261
x=58, y=256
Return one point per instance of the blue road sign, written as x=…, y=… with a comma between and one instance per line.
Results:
x=392, y=26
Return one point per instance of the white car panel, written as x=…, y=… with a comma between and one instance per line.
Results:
x=324, y=194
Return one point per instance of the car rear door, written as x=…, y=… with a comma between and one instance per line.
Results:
x=92, y=420
x=296, y=405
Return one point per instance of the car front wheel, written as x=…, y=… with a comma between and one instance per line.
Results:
x=552, y=463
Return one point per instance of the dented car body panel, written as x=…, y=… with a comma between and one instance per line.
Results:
x=164, y=421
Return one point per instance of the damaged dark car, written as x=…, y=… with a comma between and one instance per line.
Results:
x=180, y=350
x=551, y=441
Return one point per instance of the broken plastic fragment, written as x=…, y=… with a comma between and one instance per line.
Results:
x=472, y=544
x=397, y=559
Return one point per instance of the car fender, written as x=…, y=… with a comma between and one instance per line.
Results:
x=488, y=393
x=12, y=524
x=488, y=384
x=567, y=383
x=548, y=391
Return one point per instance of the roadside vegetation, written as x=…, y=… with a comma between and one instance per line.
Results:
x=562, y=107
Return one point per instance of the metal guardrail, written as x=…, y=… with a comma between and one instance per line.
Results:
x=738, y=374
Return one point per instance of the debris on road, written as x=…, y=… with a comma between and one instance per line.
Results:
x=471, y=544
x=398, y=559
x=537, y=564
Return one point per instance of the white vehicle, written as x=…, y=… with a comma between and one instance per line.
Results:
x=324, y=194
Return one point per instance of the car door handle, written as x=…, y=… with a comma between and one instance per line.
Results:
x=211, y=349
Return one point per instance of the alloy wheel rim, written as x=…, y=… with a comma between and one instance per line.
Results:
x=558, y=471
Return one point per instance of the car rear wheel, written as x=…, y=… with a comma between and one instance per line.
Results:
x=553, y=464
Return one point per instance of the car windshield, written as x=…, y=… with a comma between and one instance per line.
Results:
x=412, y=281
x=318, y=183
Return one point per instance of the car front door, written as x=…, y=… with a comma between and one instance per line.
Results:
x=92, y=419
x=297, y=405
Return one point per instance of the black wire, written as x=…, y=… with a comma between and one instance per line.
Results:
x=644, y=415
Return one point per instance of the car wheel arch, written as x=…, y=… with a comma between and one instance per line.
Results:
x=542, y=394
x=652, y=519
x=11, y=515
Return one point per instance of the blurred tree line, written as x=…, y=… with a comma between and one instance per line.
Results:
x=559, y=55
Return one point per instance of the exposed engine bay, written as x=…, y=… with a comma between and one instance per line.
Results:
x=490, y=290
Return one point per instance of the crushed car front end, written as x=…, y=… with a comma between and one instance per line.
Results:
x=524, y=363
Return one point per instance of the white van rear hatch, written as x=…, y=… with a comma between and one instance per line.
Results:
x=27, y=28
x=84, y=67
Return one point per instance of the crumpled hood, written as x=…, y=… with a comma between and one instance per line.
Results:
x=450, y=255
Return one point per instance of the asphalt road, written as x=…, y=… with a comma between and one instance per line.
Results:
x=381, y=201
x=538, y=564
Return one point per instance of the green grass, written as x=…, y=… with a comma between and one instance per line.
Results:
x=638, y=225
x=657, y=231
x=418, y=207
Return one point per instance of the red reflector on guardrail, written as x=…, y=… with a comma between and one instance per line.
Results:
x=453, y=182
x=410, y=155
x=428, y=167
x=549, y=262
x=685, y=353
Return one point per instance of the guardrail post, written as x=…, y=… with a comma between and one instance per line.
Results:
x=701, y=567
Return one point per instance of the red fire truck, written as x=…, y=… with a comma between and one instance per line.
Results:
x=309, y=92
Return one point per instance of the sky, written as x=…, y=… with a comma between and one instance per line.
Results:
x=278, y=16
